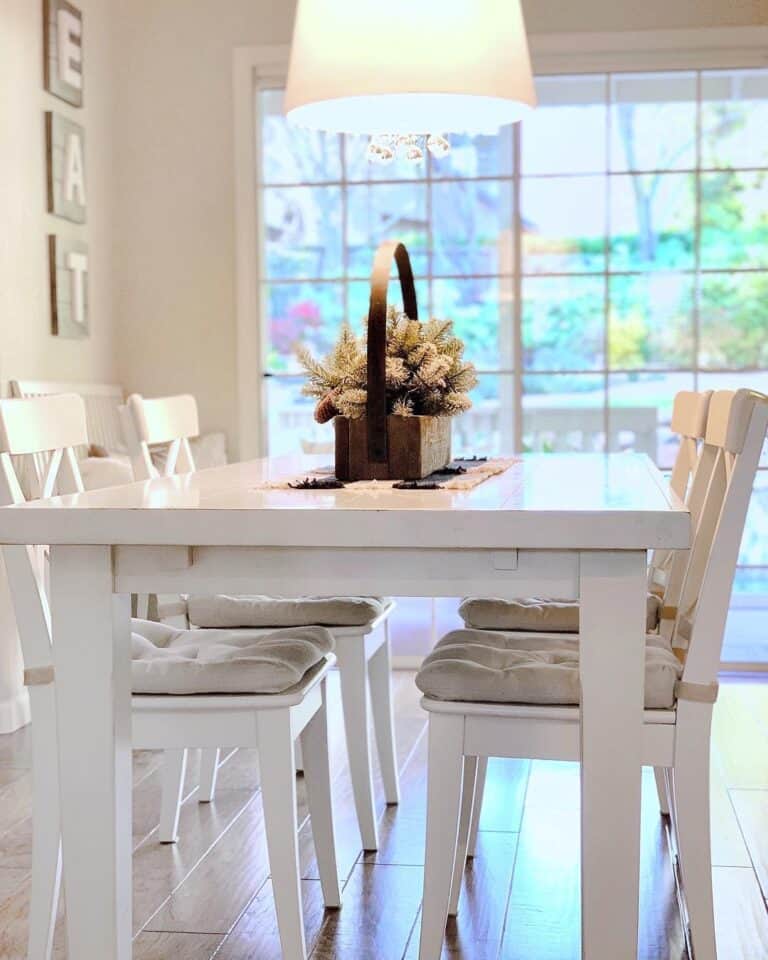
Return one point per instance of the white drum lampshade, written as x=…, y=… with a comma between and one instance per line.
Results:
x=408, y=66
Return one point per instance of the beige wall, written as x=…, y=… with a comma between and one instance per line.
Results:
x=27, y=348
x=174, y=172
x=174, y=190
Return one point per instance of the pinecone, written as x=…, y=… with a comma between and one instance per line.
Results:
x=326, y=408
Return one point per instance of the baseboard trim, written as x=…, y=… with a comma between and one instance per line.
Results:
x=14, y=713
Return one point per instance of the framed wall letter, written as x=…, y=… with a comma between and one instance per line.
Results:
x=63, y=50
x=68, y=262
x=65, y=156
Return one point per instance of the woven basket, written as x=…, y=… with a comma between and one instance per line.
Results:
x=380, y=446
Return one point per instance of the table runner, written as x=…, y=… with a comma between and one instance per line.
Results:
x=462, y=473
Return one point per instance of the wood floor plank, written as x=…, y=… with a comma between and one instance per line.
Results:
x=255, y=934
x=476, y=932
x=380, y=907
x=543, y=919
x=741, y=918
x=728, y=846
x=217, y=889
x=752, y=811
x=165, y=946
x=740, y=731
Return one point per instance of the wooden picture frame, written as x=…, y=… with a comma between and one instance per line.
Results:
x=63, y=50
x=65, y=167
x=68, y=279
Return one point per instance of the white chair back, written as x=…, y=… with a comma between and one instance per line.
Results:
x=689, y=422
x=54, y=426
x=736, y=431
x=167, y=421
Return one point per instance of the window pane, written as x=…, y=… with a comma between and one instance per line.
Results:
x=651, y=321
x=486, y=430
x=652, y=221
x=301, y=314
x=472, y=227
x=359, y=296
x=640, y=413
x=292, y=154
x=563, y=224
x=745, y=636
x=481, y=156
x=359, y=167
x=642, y=106
x=734, y=118
x=734, y=320
x=571, y=111
x=291, y=426
x=754, y=543
x=481, y=310
x=563, y=412
x=302, y=232
x=380, y=212
x=734, y=219
x=563, y=326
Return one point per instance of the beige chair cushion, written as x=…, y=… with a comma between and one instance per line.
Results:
x=170, y=661
x=543, y=616
x=254, y=611
x=493, y=667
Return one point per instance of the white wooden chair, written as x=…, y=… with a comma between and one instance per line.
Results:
x=362, y=652
x=677, y=739
x=269, y=722
x=666, y=569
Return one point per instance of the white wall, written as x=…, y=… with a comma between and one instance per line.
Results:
x=27, y=348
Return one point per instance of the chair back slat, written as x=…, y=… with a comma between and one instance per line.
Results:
x=742, y=436
x=162, y=420
x=42, y=424
x=689, y=421
x=54, y=426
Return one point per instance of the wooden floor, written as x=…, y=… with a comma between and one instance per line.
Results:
x=209, y=895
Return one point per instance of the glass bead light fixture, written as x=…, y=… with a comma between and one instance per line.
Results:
x=408, y=72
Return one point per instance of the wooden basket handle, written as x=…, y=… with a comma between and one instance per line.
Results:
x=376, y=405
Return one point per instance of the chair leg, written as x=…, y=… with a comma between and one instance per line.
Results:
x=174, y=768
x=46, y=830
x=468, y=799
x=444, y=781
x=355, y=699
x=278, y=794
x=299, y=754
x=661, y=789
x=477, y=805
x=692, y=820
x=317, y=777
x=209, y=771
x=380, y=677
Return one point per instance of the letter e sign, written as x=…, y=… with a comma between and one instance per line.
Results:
x=63, y=50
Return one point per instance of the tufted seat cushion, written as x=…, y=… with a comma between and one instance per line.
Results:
x=170, y=661
x=541, y=616
x=256, y=611
x=493, y=667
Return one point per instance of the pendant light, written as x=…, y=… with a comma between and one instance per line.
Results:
x=407, y=72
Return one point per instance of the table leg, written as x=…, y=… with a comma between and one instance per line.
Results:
x=613, y=588
x=91, y=643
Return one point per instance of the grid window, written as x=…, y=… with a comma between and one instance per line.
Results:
x=607, y=252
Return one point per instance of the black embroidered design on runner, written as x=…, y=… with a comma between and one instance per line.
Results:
x=317, y=483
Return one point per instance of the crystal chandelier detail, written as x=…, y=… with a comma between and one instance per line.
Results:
x=384, y=147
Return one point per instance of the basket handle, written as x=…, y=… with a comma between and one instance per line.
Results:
x=376, y=405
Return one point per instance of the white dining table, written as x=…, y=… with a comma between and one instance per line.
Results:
x=569, y=526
